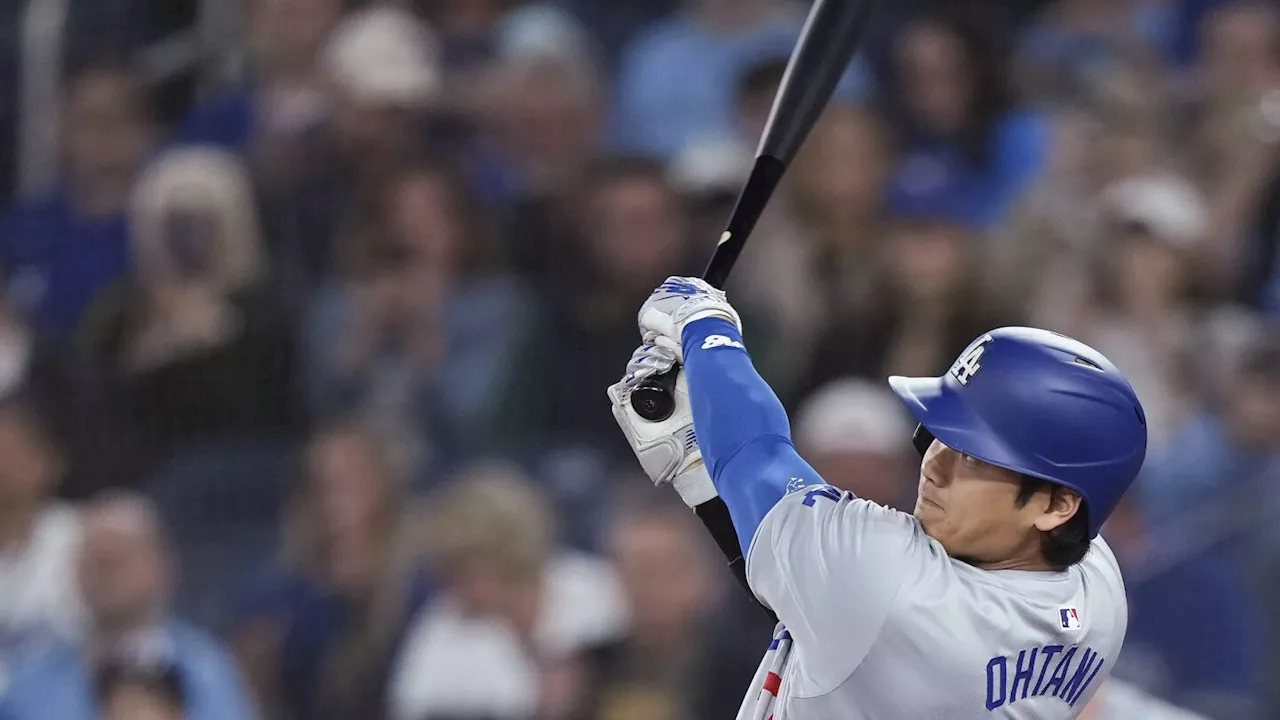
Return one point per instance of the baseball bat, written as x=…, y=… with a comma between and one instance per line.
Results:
x=826, y=46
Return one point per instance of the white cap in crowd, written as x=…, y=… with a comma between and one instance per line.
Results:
x=853, y=416
x=385, y=55
x=1168, y=206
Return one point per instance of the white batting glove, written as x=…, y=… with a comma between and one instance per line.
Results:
x=679, y=301
x=667, y=450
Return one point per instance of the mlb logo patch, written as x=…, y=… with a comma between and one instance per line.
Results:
x=1069, y=618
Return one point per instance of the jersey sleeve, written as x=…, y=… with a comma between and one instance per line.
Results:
x=830, y=566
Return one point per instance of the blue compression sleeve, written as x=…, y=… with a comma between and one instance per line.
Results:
x=743, y=430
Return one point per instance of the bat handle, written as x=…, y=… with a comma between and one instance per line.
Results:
x=654, y=398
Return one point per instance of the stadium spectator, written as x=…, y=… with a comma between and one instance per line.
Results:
x=630, y=233
x=62, y=251
x=125, y=576
x=382, y=66
x=195, y=342
x=1038, y=256
x=676, y=83
x=545, y=119
x=38, y=543
x=505, y=636
x=814, y=252
x=677, y=660
x=929, y=302
x=1151, y=225
x=77, y=403
x=1074, y=42
x=949, y=91
x=283, y=96
x=855, y=435
x=1235, y=130
x=317, y=632
x=424, y=335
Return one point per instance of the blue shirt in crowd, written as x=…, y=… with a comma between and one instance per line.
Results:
x=228, y=122
x=678, y=83
x=56, y=262
x=61, y=687
x=980, y=196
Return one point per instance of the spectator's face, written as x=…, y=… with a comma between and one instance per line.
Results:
x=291, y=32
x=1240, y=52
x=347, y=502
x=29, y=469
x=422, y=216
x=1146, y=272
x=971, y=508
x=927, y=259
x=1126, y=145
x=107, y=135
x=844, y=166
x=123, y=568
x=377, y=135
x=665, y=580
x=638, y=236
x=550, y=118
x=935, y=78
x=132, y=702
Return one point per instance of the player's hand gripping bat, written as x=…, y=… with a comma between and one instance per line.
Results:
x=826, y=46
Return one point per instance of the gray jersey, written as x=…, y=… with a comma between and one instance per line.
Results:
x=884, y=624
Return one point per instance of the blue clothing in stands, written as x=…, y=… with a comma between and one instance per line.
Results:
x=1018, y=151
x=227, y=122
x=743, y=430
x=678, y=83
x=56, y=263
x=61, y=686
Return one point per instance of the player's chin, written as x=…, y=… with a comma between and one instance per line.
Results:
x=927, y=513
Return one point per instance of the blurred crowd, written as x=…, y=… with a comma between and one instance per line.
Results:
x=309, y=307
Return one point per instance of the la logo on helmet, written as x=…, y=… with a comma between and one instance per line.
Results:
x=968, y=364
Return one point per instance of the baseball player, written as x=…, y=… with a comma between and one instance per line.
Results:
x=996, y=598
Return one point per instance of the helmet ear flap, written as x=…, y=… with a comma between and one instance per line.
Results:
x=922, y=439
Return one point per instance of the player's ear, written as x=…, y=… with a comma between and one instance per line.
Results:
x=1062, y=506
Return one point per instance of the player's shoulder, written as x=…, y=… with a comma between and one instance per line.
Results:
x=1101, y=561
x=802, y=494
x=840, y=516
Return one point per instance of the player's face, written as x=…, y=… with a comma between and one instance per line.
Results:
x=971, y=508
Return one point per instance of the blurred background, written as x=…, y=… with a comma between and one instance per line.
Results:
x=309, y=307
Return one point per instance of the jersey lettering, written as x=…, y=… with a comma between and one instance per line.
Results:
x=714, y=341
x=970, y=363
x=825, y=491
x=1070, y=678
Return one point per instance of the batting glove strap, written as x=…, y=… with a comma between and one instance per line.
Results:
x=667, y=450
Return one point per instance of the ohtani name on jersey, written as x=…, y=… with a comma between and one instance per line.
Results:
x=1063, y=672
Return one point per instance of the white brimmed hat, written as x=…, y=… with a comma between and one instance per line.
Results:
x=385, y=55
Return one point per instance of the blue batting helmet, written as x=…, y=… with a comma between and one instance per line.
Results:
x=1041, y=404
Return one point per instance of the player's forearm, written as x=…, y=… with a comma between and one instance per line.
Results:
x=742, y=428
